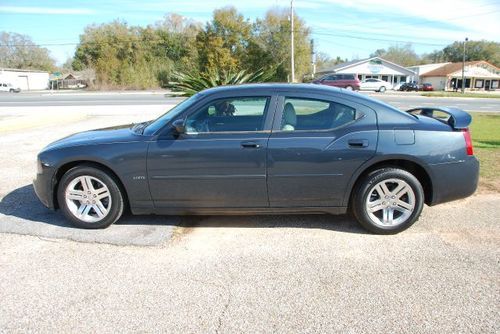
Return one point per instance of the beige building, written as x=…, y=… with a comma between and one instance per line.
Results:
x=479, y=75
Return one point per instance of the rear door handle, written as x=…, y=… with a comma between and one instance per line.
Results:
x=250, y=144
x=358, y=142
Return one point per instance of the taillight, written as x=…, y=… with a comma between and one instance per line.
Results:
x=468, y=141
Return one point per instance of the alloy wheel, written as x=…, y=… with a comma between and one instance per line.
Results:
x=88, y=198
x=390, y=202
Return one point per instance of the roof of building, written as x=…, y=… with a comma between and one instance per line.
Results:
x=454, y=67
x=21, y=70
x=353, y=63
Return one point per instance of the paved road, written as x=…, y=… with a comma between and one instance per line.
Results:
x=85, y=99
x=307, y=273
x=401, y=101
x=405, y=102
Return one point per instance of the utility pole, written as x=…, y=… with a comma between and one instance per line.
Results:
x=292, y=58
x=313, y=59
x=463, y=67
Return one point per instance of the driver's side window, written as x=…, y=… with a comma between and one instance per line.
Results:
x=243, y=114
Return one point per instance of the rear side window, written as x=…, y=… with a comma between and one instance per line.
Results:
x=348, y=76
x=312, y=114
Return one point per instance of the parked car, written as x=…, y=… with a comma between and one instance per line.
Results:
x=268, y=148
x=408, y=87
x=347, y=81
x=427, y=87
x=376, y=85
x=8, y=87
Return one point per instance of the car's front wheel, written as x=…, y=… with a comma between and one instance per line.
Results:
x=388, y=200
x=382, y=89
x=90, y=197
x=349, y=88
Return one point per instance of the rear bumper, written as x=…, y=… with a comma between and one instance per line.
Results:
x=454, y=180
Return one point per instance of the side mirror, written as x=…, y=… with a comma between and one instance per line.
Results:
x=180, y=126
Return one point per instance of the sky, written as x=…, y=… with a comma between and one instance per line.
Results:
x=347, y=28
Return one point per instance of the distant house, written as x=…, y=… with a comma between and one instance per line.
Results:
x=479, y=75
x=374, y=67
x=72, y=80
x=25, y=79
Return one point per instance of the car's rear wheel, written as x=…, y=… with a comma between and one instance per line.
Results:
x=382, y=89
x=388, y=200
x=90, y=197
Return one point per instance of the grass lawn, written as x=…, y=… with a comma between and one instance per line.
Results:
x=485, y=130
x=458, y=94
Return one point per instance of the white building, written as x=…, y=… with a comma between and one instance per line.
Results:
x=374, y=67
x=25, y=79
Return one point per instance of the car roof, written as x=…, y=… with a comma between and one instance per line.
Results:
x=266, y=88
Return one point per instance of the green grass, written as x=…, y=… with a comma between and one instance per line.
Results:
x=485, y=131
x=458, y=94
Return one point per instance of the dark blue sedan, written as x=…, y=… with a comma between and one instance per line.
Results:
x=269, y=148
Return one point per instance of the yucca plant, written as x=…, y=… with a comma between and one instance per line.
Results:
x=189, y=84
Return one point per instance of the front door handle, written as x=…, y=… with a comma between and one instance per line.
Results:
x=358, y=142
x=250, y=144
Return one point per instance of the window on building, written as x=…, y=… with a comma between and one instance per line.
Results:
x=494, y=84
x=479, y=83
x=385, y=77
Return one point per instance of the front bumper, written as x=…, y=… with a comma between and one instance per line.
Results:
x=454, y=181
x=44, y=186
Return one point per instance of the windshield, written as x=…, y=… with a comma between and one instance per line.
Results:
x=169, y=115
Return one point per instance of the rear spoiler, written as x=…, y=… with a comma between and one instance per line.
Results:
x=458, y=119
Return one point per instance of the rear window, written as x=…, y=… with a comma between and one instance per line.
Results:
x=348, y=76
x=312, y=114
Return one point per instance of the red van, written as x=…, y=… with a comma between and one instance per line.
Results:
x=347, y=81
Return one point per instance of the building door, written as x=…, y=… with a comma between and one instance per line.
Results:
x=487, y=85
x=23, y=82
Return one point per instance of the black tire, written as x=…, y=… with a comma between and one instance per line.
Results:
x=116, y=206
x=365, y=187
x=11, y=91
x=349, y=88
x=382, y=89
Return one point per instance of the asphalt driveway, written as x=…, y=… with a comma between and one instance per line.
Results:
x=237, y=274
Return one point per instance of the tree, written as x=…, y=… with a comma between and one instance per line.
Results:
x=272, y=44
x=402, y=55
x=475, y=50
x=222, y=44
x=436, y=56
x=67, y=66
x=324, y=61
x=19, y=51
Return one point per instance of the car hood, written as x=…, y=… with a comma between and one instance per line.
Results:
x=115, y=134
